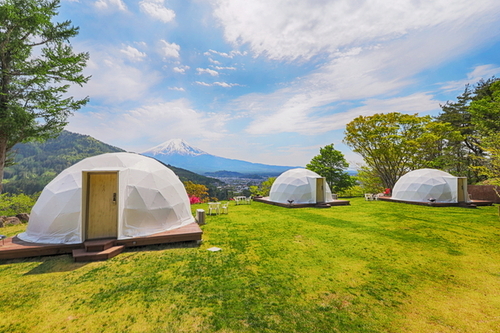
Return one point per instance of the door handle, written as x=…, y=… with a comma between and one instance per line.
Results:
x=114, y=197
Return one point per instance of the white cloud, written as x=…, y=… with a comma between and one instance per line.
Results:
x=203, y=83
x=224, y=54
x=177, y=89
x=222, y=68
x=157, y=10
x=133, y=54
x=225, y=84
x=113, y=79
x=302, y=30
x=294, y=120
x=479, y=72
x=110, y=4
x=220, y=84
x=169, y=50
x=379, y=71
x=214, y=61
x=207, y=70
x=180, y=69
x=153, y=123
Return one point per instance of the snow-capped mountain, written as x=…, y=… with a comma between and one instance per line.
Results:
x=174, y=146
x=179, y=153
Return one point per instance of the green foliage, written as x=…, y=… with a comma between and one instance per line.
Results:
x=196, y=190
x=330, y=163
x=485, y=112
x=263, y=189
x=393, y=144
x=469, y=115
x=355, y=191
x=37, y=67
x=11, y=205
x=369, y=180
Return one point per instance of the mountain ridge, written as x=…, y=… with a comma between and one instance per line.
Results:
x=179, y=153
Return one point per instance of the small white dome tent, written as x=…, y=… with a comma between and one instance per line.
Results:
x=117, y=195
x=424, y=185
x=302, y=186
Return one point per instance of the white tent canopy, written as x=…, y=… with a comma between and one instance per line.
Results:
x=302, y=186
x=146, y=198
x=424, y=185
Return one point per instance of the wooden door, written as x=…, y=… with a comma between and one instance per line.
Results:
x=320, y=190
x=462, y=189
x=102, y=208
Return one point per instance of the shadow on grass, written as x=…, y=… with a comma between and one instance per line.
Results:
x=65, y=263
x=53, y=264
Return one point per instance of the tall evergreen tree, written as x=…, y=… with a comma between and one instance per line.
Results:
x=467, y=152
x=37, y=66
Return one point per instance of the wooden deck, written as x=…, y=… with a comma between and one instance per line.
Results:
x=321, y=205
x=472, y=204
x=14, y=248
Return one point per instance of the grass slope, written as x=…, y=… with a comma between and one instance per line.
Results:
x=369, y=267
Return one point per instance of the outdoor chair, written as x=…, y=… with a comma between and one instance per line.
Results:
x=224, y=207
x=213, y=207
x=368, y=196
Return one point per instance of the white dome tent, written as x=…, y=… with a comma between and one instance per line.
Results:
x=302, y=186
x=430, y=185
x=117, y=195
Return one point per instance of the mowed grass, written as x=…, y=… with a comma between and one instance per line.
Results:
x=368, y=267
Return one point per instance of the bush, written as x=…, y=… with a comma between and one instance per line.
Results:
x=11, y=205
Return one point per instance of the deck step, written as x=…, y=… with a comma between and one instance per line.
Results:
x=81, y=255
x=98, y=245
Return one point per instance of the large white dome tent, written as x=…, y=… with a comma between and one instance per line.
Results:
x=430, y=185
x=117, y=195
x=302, y=186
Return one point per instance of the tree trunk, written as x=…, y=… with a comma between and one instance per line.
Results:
x=3, y=158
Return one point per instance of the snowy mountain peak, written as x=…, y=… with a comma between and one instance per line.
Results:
x=174, y=146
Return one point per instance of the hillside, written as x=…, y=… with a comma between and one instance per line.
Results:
x=36, y=164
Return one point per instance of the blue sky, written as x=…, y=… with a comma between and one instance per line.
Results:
x=271, y=81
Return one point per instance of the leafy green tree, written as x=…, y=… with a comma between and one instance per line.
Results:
x=393, y=144
x=37, y=66
x=263, y=189
x=369, y=180
x=331, y=164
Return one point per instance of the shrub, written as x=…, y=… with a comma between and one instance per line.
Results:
x=11, y=205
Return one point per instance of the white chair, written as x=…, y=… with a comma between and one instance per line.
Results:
x=248, y=200
x=224, y=207
x=368, y=196
x=335, y=196
x=213, y=207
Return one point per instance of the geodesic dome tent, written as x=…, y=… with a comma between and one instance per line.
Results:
x=424, y=185
x=117, y=195
x=302, y=186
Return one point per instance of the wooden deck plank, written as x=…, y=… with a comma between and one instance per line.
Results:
x=15, y=248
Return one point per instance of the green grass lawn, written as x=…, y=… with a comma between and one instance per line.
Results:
x=368, y=267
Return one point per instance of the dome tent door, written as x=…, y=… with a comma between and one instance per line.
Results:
x=101, y=206
x=320, y=190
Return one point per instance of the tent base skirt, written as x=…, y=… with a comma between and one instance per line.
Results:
x=14, y=248
x=472, y=204
x=295, y=205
